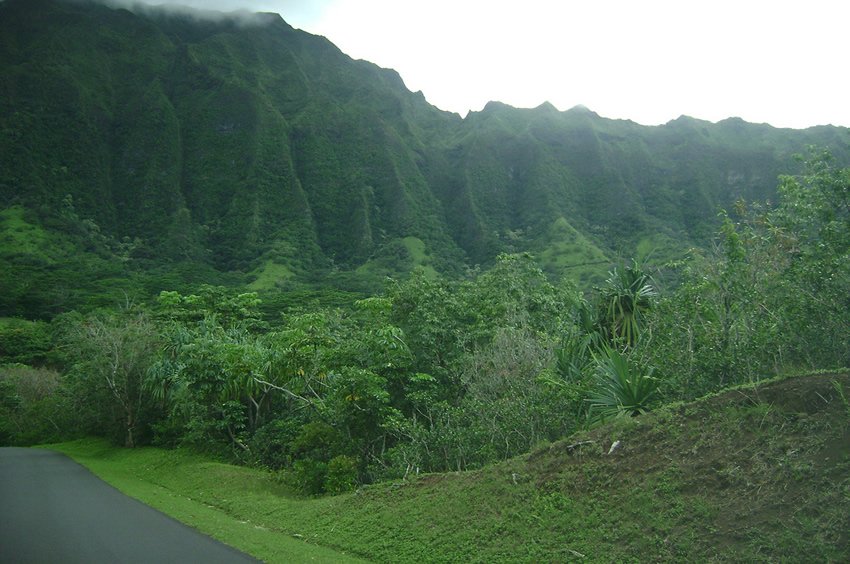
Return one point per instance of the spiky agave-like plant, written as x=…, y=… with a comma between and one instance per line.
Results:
x=621, y=389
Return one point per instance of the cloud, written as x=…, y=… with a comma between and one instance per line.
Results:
x=198, y=10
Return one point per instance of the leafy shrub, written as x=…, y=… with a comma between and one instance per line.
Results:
x=32, y=408
x=316, y=440
x=272, y=443
x=342, y=474
x=309, y=476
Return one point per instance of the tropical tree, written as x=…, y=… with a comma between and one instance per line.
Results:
x=627, y=295
x=212, y=371
x=111, y=353
x=812, y=223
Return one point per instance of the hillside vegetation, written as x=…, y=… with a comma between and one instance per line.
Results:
x=756, y=474
x=438, y=374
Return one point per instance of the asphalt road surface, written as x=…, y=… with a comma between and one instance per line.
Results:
x=54, y=510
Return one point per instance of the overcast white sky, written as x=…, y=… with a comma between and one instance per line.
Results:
x=780, y=62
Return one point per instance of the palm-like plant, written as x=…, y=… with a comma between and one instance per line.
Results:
x=620, y=389
x=628, y=293
x=575, y=358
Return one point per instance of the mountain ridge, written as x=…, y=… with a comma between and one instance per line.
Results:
x=245, y=148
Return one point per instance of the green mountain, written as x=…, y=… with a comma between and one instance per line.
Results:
x=210, y=148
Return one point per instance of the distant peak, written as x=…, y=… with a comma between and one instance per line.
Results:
x=581, y=109
x=493, y=106
x=685, y=120
x=546, y=107
x=733, y=121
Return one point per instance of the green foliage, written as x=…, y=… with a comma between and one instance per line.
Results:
x=309, y=475
x=208, y=383
x=574, y=359
x=316, y=440
x=620, y=388
x=342, y=474
x=273, y=443
x=812, y=226
x=454, y=374
x=514, y=407
x=110, y=356
x=358, y=402
x=678, y=489
x=227, y=308
x=33, y=406
x=516, y=292
x=772, y=295
x=626, y=296
x=26, y=342
x=307, y=174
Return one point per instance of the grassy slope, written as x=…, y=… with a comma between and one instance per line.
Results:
x=565, y=252
x=197, y=492
x=20, y=236
x=752, y=474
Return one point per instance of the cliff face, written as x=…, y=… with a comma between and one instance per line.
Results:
x=236, y=144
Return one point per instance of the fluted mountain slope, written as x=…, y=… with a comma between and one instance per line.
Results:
x=250, y=146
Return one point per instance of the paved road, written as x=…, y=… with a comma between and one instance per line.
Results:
x=54, y=510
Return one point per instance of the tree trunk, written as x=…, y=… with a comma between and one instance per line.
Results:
x=129, y=442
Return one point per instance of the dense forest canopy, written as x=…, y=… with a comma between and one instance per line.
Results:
x=242, y=240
